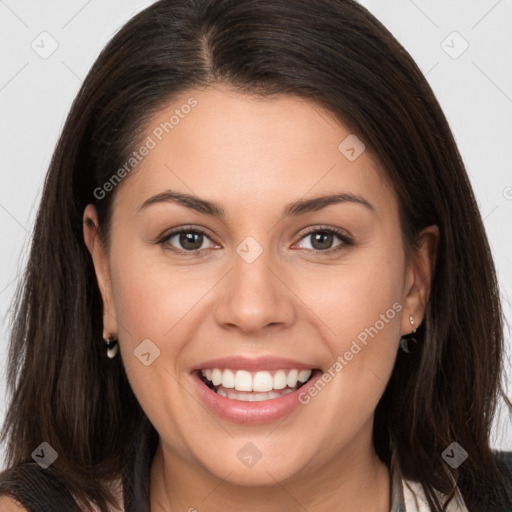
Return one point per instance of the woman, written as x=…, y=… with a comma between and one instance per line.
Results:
x=259, y=280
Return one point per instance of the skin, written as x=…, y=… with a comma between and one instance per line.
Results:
x=253, y=156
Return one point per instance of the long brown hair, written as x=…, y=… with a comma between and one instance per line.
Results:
x=63, y=388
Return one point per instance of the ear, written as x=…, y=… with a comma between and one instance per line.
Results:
x=99, y=257
x=419, y=273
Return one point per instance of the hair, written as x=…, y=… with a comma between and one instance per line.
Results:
x=62, y=387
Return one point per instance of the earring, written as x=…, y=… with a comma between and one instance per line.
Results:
x=409, y=345
x=112, y=346
x=411, y=320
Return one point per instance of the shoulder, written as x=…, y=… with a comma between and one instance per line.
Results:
x=9, y=504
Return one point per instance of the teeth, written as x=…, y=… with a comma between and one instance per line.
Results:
x=243, y=381
x=260, y=382
x=280, y=381
x=216, y=376
x=252, y=397
x=304, y=375
x=228, y=379
x=292, y=378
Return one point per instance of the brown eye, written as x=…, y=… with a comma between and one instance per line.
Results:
x=191, y=241
x=324, y=239
x=186, y=240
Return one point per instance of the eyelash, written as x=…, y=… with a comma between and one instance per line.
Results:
x=346, y=239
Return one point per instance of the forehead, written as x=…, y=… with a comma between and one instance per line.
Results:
x=248, y=150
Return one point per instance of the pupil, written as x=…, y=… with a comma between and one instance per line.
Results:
x=189, y=240
x=324, y=239
x=193, y=241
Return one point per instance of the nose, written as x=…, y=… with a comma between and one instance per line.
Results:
x=255, y=297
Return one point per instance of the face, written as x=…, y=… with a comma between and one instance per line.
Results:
x=268, y=285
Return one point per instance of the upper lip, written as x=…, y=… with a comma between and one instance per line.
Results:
x=253, y=364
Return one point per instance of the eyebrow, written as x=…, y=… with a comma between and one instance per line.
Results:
x=299, y=207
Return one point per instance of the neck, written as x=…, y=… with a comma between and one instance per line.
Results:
x=350, y=481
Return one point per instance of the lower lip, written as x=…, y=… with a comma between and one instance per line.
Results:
x=251, y=413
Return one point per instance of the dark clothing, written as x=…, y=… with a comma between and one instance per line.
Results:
x=39, y=490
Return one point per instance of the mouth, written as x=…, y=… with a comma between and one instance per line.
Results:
x=255, y=386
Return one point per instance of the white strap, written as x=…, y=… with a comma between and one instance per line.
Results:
x=415, y=501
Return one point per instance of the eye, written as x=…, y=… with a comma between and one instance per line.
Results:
x=186, y=240
x=322, y=239
x=191, y=240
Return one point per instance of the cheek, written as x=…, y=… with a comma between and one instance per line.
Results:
x=357, y=295
x=151, y=298
x=153, y=302
x=158, y=302
x=359, y=305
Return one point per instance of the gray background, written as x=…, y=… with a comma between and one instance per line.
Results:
x=474, y=88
